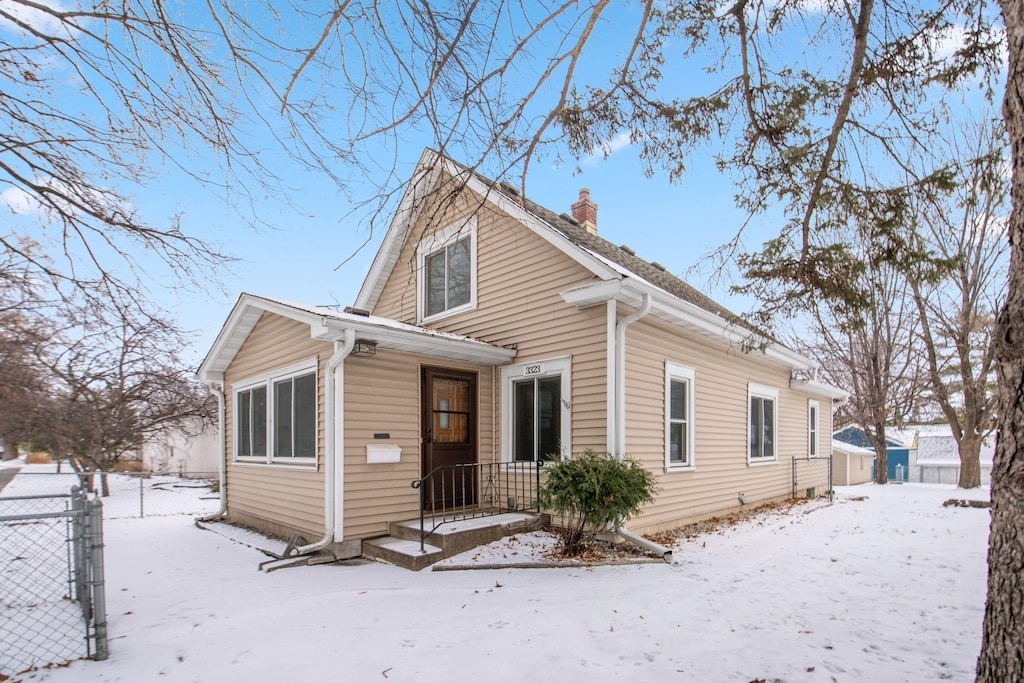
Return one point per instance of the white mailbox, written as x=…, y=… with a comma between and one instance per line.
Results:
x=378, y=453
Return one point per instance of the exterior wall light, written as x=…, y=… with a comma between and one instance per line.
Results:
x=364, y=347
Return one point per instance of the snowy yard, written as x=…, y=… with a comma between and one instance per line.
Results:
x=885, y=588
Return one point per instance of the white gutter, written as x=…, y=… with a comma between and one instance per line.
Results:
x=218, y=391
x=620, y=374
x=334, y=420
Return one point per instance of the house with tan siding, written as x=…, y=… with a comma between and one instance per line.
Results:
x=490, y=336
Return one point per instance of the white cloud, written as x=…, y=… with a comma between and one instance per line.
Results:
x=946, y=45
x=21, y=14
x=18, y=201
x=606, y=149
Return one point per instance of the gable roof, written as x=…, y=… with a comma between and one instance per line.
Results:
x=620, y=274
x=631, y=263
x=328, y=324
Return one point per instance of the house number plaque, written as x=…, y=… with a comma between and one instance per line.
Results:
x=533, y=369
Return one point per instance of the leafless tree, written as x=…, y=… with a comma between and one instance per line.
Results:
x=959, y=295
x=871, y=351
x=113, y=392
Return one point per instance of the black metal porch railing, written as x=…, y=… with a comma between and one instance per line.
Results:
x=453, y=493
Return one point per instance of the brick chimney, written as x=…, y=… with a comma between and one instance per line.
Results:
x=585, y=212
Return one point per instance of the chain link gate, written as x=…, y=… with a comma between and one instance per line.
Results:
x=52, y=593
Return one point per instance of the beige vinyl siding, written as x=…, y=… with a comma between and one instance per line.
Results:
x=519, y=276
x=858, y=467
x=280, y=499
x=382, y=396
x=720, y=420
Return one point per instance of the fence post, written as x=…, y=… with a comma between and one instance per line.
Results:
x=96, y=577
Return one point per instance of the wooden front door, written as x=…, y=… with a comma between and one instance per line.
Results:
x=449, y=437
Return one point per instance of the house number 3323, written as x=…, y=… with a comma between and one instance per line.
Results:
x=532, y=370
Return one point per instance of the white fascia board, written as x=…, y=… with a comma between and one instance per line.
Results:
x=693, y=317
x=243, y=317
x=591, y=293
x=422, y=181
x=817, y=388
x=436, y=345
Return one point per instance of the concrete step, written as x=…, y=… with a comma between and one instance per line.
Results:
x=459, y=535
x=401, y=552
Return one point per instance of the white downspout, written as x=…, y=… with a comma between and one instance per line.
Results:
x=620, y=374
x=620, y=417
x=333, y=424
x=218, y=391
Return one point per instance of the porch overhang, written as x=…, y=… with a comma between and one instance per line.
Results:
x=389, y=334
x=329, y=325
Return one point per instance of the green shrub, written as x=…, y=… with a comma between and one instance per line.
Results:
x=592, y=491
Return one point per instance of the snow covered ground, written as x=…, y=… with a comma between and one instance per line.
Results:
x=884, y=585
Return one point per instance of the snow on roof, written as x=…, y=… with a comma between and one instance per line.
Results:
x=327, y=312
x=850, y=449
x=940, y=449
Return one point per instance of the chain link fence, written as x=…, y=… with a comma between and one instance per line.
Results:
x=52, y=595
x=131, y=494
x=812, y=477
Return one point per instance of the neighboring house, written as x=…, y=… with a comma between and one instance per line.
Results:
x=194, y=452
x=935, y=458
x=851, y=464
x=898, y=450
x=491, y=330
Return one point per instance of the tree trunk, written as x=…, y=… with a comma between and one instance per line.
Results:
x=104, y=485
x=1002, y=644
x=10, y=448
x=969, y=449
x=881, y=456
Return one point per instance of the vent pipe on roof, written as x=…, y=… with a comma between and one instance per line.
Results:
x=585, y=212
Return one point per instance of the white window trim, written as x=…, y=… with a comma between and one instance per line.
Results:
x=548, y=368
x=674, y=371
x=431, y=245
x=813, y=429
x=762, y=391
x=267, y=380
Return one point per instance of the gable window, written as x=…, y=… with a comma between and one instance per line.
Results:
x=447, y=271
x=812, y=428
x=536, y=415
x=763, y=424
x=276, y=416
x=679, y=408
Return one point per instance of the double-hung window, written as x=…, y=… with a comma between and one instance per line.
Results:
x=535, y=424
x=763, y=427
x=276, y=416
x=812, y=428
x=679, y=408
x=447, y=271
